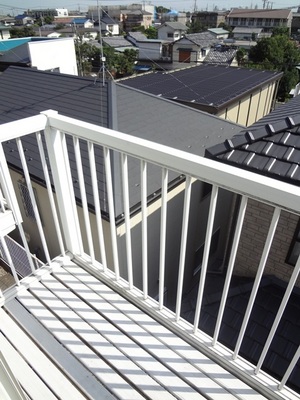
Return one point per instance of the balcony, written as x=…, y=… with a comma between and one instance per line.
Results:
x=116, y=300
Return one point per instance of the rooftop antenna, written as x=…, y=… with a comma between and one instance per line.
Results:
x=103, y=59
x=195, y=6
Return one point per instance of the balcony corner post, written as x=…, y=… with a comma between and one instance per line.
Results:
x=62, y=179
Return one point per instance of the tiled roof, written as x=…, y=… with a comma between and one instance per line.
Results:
x=222, y=56
x=269, y=147
x=245, y=29
x=255, y=13
x=205, y=85
x=203, y=39
x=138, y=36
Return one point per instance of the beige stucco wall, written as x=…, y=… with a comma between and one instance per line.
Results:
x=255, y=229
x=252, y=107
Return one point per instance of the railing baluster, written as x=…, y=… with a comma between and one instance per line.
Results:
x=9, y=260
x=279, y=314
x=289, y=369
x=163, y=233
x=33, y=201
x=83, y=198
x=184, y=232
x=127, y=219
x=111, y=208
x=144, y=227
x=50, y=193
x=97, y=204
x=232, y=258
x=209, y=229
x=257, y=280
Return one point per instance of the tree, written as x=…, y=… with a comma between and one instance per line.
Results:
x=240, y=56
x=277, y=53
x=25, y=31
x=196, y=26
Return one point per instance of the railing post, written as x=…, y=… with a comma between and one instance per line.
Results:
x=60, y=168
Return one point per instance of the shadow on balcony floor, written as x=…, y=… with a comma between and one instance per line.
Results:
x=271, y=291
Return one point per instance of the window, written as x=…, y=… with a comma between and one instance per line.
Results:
x=294, y=249
x=170, y=35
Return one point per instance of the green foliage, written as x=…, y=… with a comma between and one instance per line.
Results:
x=241, y=55
x=151, y=32
x=277, y=53
x=25, y=31
x=162, y=10
x=195, y=27
x=118, y=64
x=281, y=30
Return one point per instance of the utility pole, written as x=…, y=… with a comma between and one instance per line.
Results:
x=264, y=3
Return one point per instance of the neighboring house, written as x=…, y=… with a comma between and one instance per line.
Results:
x=41, y=53
x=4, y=32
x=133, y=112
x=246, y=33
x=109, y=26
x=82, y=23
x=209, y=19
x=193, y=47
x=24, y=19
x=48, y=12
x=267, y=19
x=119, y=43
x=270, y=147
x=219, y=33
x=150, y=49
x=7, y=21
x=296, y=22
x=134, y=18
x=239, y=95
x=171, y=31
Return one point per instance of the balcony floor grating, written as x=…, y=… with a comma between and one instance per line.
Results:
x=70, y=336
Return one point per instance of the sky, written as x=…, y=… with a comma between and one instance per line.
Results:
x=15, y=7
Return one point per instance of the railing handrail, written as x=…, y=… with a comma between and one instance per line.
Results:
x=257, y=186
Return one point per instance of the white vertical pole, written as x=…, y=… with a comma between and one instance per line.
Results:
x=257, y=280
x=60, y=168
x=289, y=369
x=111, y=208
x=50, y=193
x=83, y=198
x=127, y=219
x=232, y=258
x=144, y=227
x=279, y=314
x=97, y=204
x=184, y=232
x=163, y=232
x=209, y=229
x=33, y=201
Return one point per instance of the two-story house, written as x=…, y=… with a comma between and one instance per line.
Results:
x=171, y=31
x=267, y=19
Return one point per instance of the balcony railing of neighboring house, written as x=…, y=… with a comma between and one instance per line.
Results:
x=75, y=236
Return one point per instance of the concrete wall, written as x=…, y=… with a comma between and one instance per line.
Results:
x=53, y=54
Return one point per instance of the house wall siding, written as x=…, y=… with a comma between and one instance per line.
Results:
x=255, y=229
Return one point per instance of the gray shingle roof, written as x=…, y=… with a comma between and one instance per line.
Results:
x=269, y=147
x=175, y=26
x=205, y=85
x=203, y=39
x=222, y=56
x=117, y=41
x=139, y=114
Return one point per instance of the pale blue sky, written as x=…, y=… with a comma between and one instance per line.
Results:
x=17, y=6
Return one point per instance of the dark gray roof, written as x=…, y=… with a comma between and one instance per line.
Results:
x=138, y=36
x=116, y=41
x=135, y=112
x=269, y=147
x=175, y=26
x=203, y=39
x=206, y=85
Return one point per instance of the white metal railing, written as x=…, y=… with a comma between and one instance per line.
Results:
x=70, y=148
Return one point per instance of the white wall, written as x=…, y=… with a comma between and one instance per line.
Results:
x=150, y=50
x=53, y=54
